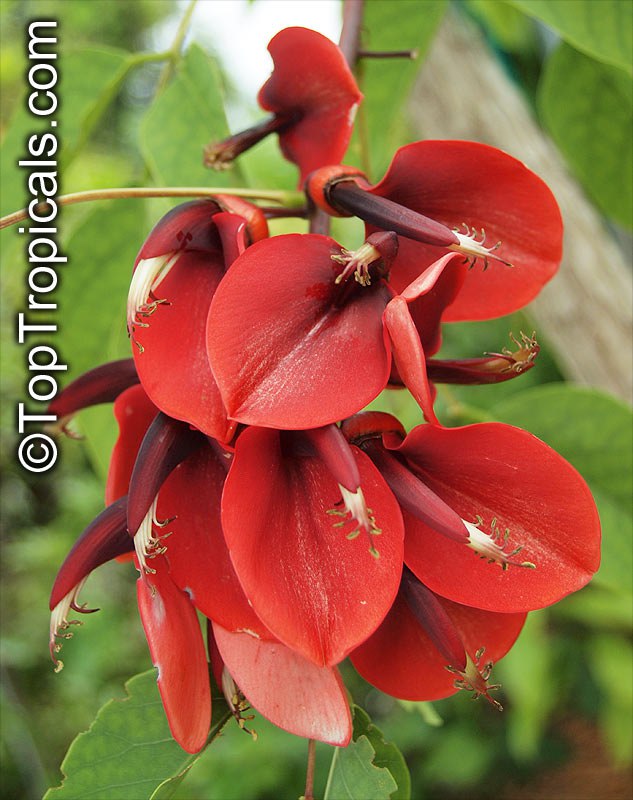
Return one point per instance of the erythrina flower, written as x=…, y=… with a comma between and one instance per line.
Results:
x=298, y=526
x=313, y=344
x=464, y=197
x=170, y=506
x=313, y=96
x=428, y=648
x=492, y=489
x=183, y=260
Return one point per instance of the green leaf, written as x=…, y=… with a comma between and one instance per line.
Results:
x=602, y=29
x=94, y=284
x=368, y=767
x=92, y=301
x=588, y=108
x=525, y=675
x=88, y=80
x=91, y=79
x=182, y=120
x=611, y=662
x=407, y=25
x=128, y=752
x=594, y=432
x=590, y=429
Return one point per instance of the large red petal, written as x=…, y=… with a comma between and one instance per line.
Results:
x=283, y=353
x=173, y=366
x=198, y=557
x=177, y=649
x=499, y=472
x=401, y=660
x=313, y=83
x=316, y=590
x=467, y=182
x=134, y=412
x=294, y=694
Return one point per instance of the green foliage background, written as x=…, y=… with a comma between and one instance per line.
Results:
x=125, y=120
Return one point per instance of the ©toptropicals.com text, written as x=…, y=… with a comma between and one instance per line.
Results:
x=37, y=451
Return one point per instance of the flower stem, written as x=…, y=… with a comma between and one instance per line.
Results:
x=288, y=198
x=309, y=792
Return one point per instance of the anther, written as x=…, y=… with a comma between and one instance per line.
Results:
x=491, y=547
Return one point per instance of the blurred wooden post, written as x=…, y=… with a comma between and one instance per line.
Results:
x=586, y=311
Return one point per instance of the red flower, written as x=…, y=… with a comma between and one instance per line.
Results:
x=176, y=273
x=314, y=98
x=426, y=641
x=312, y=342
x=310, y=507
x=461, y=196
x=492, y=489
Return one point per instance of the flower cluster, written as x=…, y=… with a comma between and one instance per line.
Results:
x=249, y=485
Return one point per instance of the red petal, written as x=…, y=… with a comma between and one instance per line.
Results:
x=283, y=353
x=467, y=182
x=497, y=471
x=188, y=225
x=317, y=591
x=198, y=558
x=177, y=649
x=173, y=366
x=409, y=356
x=401, y=660
x=311, y=80
x=134, y=412
x=293, y=693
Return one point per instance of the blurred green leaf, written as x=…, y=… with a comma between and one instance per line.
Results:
x=602, y=29
x=526, y=676
x=588, y=109
x=129, y=745
x=611, y=662
x=368, y=766
x=508, y=25
x=92, y=306
x=90, y=80
x=94, y=284
x=182, y=120
x=594, y=432
x=590, y=429
x=386, y=83
x=597, y=607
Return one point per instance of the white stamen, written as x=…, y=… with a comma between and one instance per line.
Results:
x=60, y=623
x=485, y=545
x=147, y=277
x=145, y=543
x=356, y=506
x=473, y=247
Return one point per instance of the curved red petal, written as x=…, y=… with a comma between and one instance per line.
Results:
x=469, y=183
x=188, y=225
x=498, y=472
x=294, y=694
x=318, y=591
x=134, y=412
x=401, y=660
x=177, y=650
x=313, y=85
x=197, y=554
x=283, y=353
x=173, y=365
